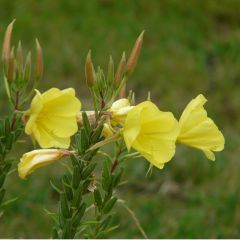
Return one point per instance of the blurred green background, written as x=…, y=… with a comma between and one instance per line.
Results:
x=190, y=47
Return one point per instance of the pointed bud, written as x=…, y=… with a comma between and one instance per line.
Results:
x=133, y=58
x=19, y=57
x=111, y=70
x=7, y=42
x=39, y=61
x=11, y=66
x=120, y=70
x=122, y=92
x=27, y=68
x=89, y=71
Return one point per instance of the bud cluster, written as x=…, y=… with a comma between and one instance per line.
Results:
x=107, y=87
x=17, y=68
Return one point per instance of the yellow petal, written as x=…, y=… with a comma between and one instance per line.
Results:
x=151, y=132
x=61, y=126
x=119, y=111
x=38, y=158
x=120, y=103
x=37, y=103
x=199, y=131
x=107, y=131
x=132, y=126
x=64, y=104
x=47, y=139
x=52, y=117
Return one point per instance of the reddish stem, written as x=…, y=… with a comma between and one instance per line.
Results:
x=100, y=112
x=114, y=165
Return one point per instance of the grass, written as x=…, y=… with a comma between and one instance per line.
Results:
x=189, y=48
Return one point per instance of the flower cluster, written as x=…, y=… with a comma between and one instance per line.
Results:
x=52, y=120
x=56, y=122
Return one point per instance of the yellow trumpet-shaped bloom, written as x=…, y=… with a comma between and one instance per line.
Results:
x=151, y=132
x=52, y=117
x=38, y=158
x=199, y=131
x=107, y=131
x=119, y=111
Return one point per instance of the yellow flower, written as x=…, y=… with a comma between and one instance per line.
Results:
x=119, y=110
x=38, y=158
x=52, y=117
x=199, y=131
x=151, y=132
x=107, y=131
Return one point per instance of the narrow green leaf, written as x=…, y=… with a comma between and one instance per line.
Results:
x=7, y=127
x=109, y=205
x=98, y=198
x=79, y=214
x=88, y=170
x=9, y=201
x=64, y=206
x=105, y=222
x=67, y=230
x=84, y=141
x=57, y=189
x=68, y=191
x=76, y=176
x=117, y=177
x=2, y=193
x=86, y=122
x=97, y=133
x=2, y=179
x=77, y=196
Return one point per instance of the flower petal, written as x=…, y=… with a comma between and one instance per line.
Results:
x=132, y=126
x=199, y=131
x=38, y=158
x=46, y=139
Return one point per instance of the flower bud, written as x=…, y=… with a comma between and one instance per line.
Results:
x=19, y=57
x=111, y=70
x=120, y=70
x=7, y=42
x=133, y=58
x=39, y=61
x=27, y=68
x=89, y=71
x=35, y=159
x=107, y=131
x=119, y=111
x=11, y=66
x=122, y=92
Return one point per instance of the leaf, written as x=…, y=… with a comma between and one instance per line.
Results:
x=86, y=123
x=7, y=87
x=9, y=201
x=98, y=198
x=111, y=229
x=97, y=133
x=55, y=187
x=79, y=214
x=88, y=170
x=84, y=141
x=76, y=176
x=64, y=206
x=109, y=205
